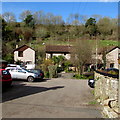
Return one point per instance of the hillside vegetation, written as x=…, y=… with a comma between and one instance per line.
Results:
x=39, y=29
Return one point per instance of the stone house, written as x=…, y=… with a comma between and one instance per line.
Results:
x=97, y=59
x=25, y=54
x=57, y=50
x=112, y=53
x=112, y=57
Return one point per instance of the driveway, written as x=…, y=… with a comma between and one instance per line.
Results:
x=55, y=98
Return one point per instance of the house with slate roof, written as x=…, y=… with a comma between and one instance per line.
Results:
x=112, y=57
x=57, y=50
x=25, y=54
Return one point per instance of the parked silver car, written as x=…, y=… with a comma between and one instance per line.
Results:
x=22, y=73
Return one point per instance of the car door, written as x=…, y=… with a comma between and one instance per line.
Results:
x=13, y=73
x=21, y=74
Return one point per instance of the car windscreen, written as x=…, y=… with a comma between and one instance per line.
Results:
x=26, y=70
x=5, y=72
x=36, y=71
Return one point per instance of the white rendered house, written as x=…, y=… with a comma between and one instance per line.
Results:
x=24, y=54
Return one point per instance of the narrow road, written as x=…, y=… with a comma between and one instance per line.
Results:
x=56, y=98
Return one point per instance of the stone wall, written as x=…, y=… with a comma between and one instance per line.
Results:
x=106, y=92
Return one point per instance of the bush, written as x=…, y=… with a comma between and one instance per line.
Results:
x=79, y=76
x=9, y=57
x=45, y=65
x=67, y=64
x=113, y=72
x=59, y=69
x=68, y=70
x=18, y=62
x=46, y=74
x=52, y=71
x=91, y=77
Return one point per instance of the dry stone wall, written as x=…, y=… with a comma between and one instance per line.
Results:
x=106, y=92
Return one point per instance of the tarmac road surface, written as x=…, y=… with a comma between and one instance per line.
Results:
x=55, y=98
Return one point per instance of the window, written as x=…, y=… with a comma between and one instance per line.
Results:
x=29, y=62
x=111, y=65
x=20, y=53
x=21, y=71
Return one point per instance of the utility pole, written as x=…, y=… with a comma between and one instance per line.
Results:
x=96, y=53
x=68, y=41
x=119, y=92
x=68, y=38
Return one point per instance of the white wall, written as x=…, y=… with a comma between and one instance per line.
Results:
x=16, y=56
x=28, y=55
x=112, y=57
x=67, y=56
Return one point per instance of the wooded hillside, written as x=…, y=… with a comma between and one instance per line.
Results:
x=39, y=28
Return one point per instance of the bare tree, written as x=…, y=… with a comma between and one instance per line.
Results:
x=39, y=17
x=41, y=32
x=76, y=19
x=9, y=17
x=49, y=18
x=27, y=33
x=24, y=14
x=97, y=17
x=105, y=27
x=57, y=20
x=81, y=54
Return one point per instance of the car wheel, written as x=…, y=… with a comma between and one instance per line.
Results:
x=30, y=79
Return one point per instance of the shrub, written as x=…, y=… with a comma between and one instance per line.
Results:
x=9, y=57
x=47, y=74
x=59, y=69
x=67, y=64
x=113, y=72
x=93, y=102
x=91, y=77
x=18, y=62
x=52, y=71
x=45, y=65
x=79, y=76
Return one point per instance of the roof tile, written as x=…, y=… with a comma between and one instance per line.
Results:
x=58, y=48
